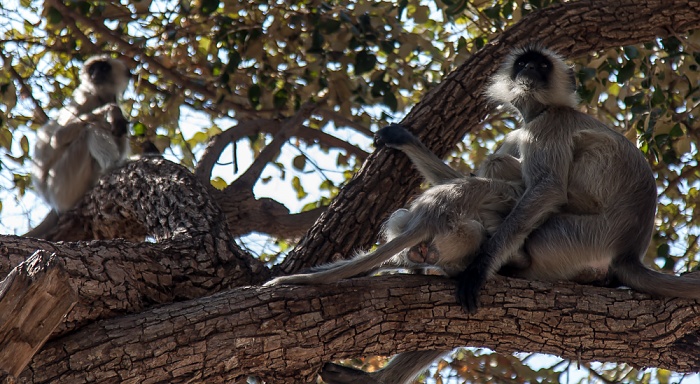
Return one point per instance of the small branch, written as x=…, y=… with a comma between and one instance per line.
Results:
x=25, y=89
x=247, y=128
x=310, y=135
x=152, y=63
x=34, y=298
x=218, y=143
x=272, y=150
x=344, y=121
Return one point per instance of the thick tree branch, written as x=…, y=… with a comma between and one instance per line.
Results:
x=34, y=297
x=147, y=197
x=115, y=277
x=449, y=111
x=284, y=335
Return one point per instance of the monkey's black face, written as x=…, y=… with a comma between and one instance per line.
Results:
x=100, y=71
x=532, y=70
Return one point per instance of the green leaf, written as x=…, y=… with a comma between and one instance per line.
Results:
x=139, y=129
x=299, y=162
x=5, y=138
x=658, y=97
x=280, y=98
x=296, y=184
x=254, y=94
x=626, y=72
x=53, y=16
x=631, y=52
x=676, y=131
x=219, y=183
x=209, y=6
x=390, y=101
x=493, y=12
x=364, y=62
x=24, y=144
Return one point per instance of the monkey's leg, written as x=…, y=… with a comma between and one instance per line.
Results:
x=569, y=247
x=102, y=145
x=70, y=177
x=403, y=368
x=586, y=248
x=361, y=264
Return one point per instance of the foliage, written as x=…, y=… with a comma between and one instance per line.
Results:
x=203, y=66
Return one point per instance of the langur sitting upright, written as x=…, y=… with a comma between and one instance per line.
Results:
x=88, y=138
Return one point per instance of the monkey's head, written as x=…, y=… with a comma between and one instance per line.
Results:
x=533, y=76
x=105, y=77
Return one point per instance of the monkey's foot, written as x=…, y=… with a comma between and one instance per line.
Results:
x=469, y=284
x=338, y=374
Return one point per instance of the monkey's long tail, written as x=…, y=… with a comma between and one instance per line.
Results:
x=635, y=275
x=358, y=265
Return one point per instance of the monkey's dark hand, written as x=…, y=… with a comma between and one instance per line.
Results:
x=116, y=119
x=393, y=136
x=470, y=282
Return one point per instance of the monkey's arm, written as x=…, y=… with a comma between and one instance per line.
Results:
x=433, y=169
x=110, y=113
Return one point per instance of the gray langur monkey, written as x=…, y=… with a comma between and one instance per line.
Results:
x=88, y=138
x=586, y=215
x=443, y=227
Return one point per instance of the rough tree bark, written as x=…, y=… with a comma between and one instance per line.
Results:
x=148, y=312
x=284, y=334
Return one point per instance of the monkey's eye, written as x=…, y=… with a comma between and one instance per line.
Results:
x=544, y=65
x=520, y=63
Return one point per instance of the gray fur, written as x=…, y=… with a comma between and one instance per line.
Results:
x=586, y=214
x=88, y=137
x=443, y=227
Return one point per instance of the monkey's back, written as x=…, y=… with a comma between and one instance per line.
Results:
x=608, y=176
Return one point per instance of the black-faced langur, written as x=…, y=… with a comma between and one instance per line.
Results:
x=586, y=214
x=88, y=137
